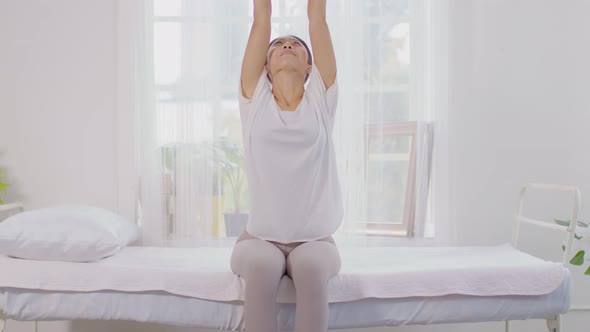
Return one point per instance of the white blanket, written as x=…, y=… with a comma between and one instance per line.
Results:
x=367, y=272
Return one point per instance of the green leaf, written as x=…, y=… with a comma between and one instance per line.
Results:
x=562, y=247
x=587, y=271
x=578, y=237
x=567, y=222
x=562, y=222
x=579, y=258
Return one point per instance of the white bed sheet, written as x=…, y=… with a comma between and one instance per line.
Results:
x=165, y=308
x=367, y=272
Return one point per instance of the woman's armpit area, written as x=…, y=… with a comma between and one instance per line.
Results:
x=243, y=93
x=242, y=96
x=243, y=100
x=332, y=88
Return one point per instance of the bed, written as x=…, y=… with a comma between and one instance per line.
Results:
x=396, y=286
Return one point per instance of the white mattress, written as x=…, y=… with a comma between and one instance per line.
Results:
x=377, y=286
x=165, y=308
x=367, y=272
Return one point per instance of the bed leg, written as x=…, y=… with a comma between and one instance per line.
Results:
x=554, y=323
x=2, y=321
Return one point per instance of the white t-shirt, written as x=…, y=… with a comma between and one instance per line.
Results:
x=291, y=164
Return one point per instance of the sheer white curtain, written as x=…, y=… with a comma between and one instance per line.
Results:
x=187, y=64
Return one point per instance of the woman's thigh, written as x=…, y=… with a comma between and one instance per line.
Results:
x=251, y=257
x=314, y=259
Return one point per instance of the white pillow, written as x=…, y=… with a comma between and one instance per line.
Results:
x=70, y=232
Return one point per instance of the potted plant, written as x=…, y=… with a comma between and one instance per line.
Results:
x=2, y=185
x=197, y=156
x=223, y=154
x=578, y=258
x=230, y=157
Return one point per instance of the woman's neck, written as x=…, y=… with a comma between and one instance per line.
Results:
x=287, y=88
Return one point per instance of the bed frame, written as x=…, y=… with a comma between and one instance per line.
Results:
x=553, y=321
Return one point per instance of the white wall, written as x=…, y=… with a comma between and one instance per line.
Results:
x=520, y=108
x=520, y=112
x=57, y=98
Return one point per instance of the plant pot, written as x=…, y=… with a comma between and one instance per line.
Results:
x=235, y=223
x=217, y=205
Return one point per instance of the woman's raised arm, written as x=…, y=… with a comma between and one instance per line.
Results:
x=257, y=47
x=321, y=42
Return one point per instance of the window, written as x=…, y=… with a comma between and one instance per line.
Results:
x=197, y=48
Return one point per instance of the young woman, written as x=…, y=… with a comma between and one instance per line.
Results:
x=295, y=196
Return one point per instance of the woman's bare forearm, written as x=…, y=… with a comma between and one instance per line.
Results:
x=321, y=41
x=262, y=10
x=256, y=48
x=316, y=11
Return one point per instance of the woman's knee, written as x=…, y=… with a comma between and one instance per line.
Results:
x=257, y=258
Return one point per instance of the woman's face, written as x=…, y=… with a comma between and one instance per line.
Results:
x=288, y=53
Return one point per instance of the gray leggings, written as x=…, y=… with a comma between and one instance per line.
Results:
x=263, y=263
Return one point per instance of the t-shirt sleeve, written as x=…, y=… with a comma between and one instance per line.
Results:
x=331, y=94
x=245, y=104
x=332, y=99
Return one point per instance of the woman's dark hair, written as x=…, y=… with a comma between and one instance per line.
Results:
x=309, y=59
